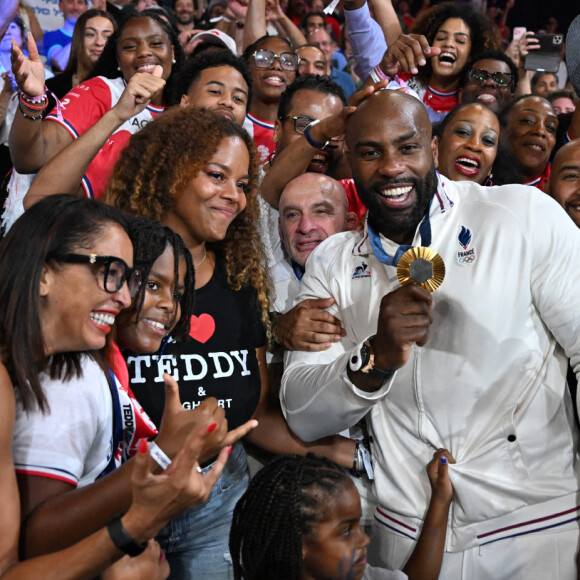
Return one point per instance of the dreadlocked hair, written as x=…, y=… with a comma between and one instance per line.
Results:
x=150, y=239
x=161, y=160
x=280, y=506
x=484, y=33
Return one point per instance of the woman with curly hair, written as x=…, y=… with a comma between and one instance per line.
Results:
x=196, y=172
x=432, y=59
x=140, y=58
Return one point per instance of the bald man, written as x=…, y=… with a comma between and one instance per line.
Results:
x=312, y=208
x=477, y=368
x=564, y=184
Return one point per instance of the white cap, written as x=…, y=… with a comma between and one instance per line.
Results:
x=216, y=37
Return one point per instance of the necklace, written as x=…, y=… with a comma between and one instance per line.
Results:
x=202, y=260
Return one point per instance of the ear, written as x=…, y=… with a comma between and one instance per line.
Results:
x=45, y=281
x=351, y=221
x=435, y=149
x=184, y=101
x=277, y=130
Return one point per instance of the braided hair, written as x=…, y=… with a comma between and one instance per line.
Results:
x=150, y=239
x=280, y=506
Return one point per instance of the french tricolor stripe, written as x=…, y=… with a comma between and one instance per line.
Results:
x=65, y=124
x=259, y=122
x=51, y=473
x=395, y=524
x=531, y=526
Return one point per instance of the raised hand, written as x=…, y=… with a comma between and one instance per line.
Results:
x=140, y=90
x=28, y=72
x=404, y=318
x=407, y=54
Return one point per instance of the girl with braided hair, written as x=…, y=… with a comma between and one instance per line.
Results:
x=299, y=520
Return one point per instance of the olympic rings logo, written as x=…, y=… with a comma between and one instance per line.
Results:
x=466, y=259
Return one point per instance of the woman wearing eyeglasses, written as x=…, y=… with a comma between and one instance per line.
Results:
x=57, y=307
x=273, y=64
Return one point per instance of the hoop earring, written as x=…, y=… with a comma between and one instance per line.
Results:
x=488, y=182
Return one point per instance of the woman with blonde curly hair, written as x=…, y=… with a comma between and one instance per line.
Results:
x=196, y=172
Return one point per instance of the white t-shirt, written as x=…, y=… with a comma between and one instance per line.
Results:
x=72, y=442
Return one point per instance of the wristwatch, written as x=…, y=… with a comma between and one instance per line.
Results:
x=363, y=360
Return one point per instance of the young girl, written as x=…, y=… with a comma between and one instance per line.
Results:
x=299, y=520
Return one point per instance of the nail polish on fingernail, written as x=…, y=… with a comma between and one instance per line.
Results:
x=229, y=449
x=211, y=427
x=142, y=448
x=337, y=338
x=443, y=460
x=414, y=71
x=422, y=62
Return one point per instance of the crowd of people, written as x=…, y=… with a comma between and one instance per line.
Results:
x=289, y=291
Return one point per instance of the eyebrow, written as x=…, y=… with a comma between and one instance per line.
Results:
x=227, y=169
x=454, y=34
x=488, y=128
x=219, y=83
x=569, y=167
x=156, y=35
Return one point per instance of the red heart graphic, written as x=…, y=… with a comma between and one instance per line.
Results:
x=202, y=328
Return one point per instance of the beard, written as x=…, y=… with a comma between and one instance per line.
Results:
x=397, y=224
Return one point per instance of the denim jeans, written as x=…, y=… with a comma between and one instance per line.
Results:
x=196, y=542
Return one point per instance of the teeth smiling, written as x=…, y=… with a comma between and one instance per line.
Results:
x=466, y=161
x=397, y=191
x=447, y=57
x=535, y=147
x=146, y=68
x=155, y=324
x=102, y=319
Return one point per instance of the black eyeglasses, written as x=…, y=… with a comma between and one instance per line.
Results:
x=265, y=58
x=302, y=121
x=116, y=271
x=501, y=79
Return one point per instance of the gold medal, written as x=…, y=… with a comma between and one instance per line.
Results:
x=423, y=267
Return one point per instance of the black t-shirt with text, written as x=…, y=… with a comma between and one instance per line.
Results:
x=218, y=359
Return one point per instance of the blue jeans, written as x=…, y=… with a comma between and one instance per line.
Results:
x=196, y=542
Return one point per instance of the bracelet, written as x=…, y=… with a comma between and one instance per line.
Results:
x=159, y=455
x=33, y=106
x=122, y=540
x=309, y=138
x=26, y=116
x=379, y=72
x=34, y=100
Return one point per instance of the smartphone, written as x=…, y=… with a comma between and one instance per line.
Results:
x=546, y=58
x=519, y=31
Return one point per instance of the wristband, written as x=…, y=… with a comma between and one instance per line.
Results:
x=310, y=140
x=380, y=74
x=34, y=100
x=122, y=540
x=33, y=106
x=26, y=116
x=159, y=455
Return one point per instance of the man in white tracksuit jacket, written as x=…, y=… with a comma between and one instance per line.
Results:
x=487, y=382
